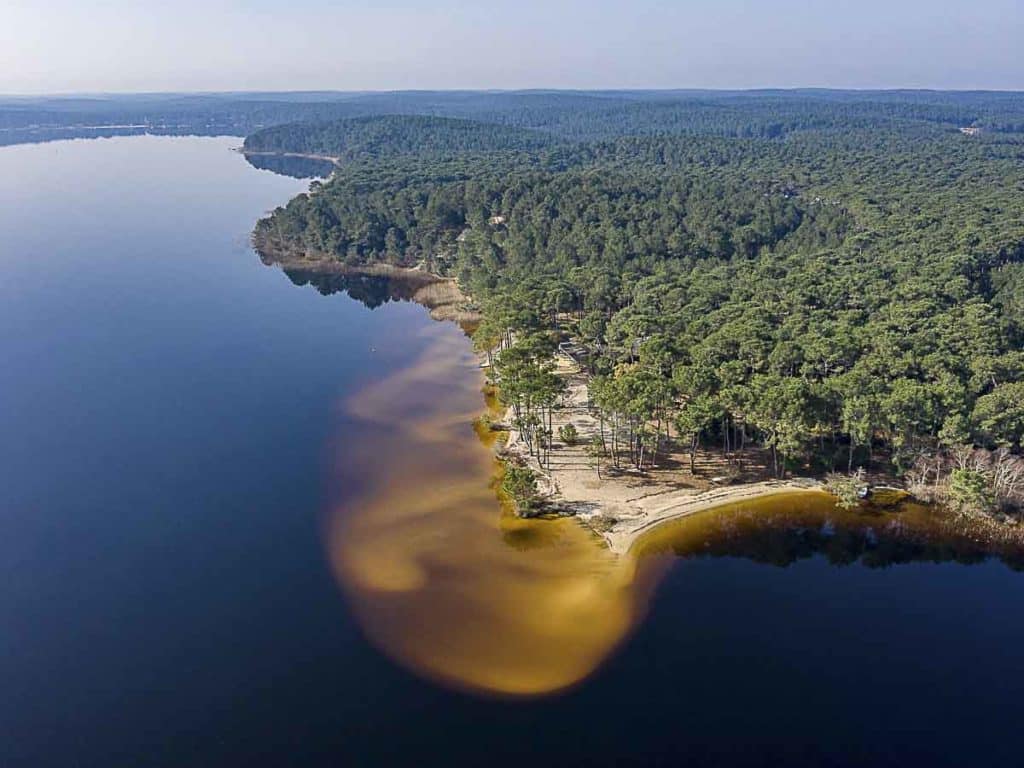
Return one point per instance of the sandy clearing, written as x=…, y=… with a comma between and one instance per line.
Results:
x=625, y=504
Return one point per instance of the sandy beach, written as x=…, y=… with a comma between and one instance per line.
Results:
x=622, y=505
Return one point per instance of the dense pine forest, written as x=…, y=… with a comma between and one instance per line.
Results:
x=835, y=277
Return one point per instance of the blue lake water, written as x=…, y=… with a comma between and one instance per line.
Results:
x=171, y=418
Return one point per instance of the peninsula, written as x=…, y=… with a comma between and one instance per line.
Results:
x=686, y=302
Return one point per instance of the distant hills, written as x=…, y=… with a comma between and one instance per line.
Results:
x=754, y=114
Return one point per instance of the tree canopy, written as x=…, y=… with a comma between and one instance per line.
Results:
x=853, y=280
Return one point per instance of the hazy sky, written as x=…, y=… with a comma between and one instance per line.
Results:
x=146, y=45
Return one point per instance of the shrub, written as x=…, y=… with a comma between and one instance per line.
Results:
x=602, y=523
x=846, y=488
x=970, y=490
x=520, y=485
x=568, y=434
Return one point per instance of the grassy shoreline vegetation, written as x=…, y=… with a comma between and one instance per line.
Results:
x=803, y=282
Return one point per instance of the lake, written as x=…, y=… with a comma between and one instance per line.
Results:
x=245, y=521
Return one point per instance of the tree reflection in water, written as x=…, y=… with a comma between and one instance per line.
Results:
x=292, y=166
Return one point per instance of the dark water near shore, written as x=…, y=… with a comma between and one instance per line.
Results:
x=290, y=165
x=214, y=550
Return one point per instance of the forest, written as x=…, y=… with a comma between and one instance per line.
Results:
x=576, y=115
x=837, y=278
x=411, y=135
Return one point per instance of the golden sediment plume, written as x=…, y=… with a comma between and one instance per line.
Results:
x=440, y=576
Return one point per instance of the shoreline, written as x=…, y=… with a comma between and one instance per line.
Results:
x=304, y=155
x=441, y=296
x=622, y=538
x=623, y=507
x=620, y=510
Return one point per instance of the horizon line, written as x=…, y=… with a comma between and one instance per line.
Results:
x=526, y=90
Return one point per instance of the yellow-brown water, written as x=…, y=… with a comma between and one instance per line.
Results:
x=443, y=578
x=459, y=590
x=782, y=529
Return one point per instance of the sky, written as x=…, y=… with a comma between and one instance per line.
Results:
x=66, y=46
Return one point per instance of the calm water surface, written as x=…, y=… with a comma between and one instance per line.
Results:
x=245, y=523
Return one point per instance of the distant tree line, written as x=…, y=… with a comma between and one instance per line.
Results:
x=575, y=115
